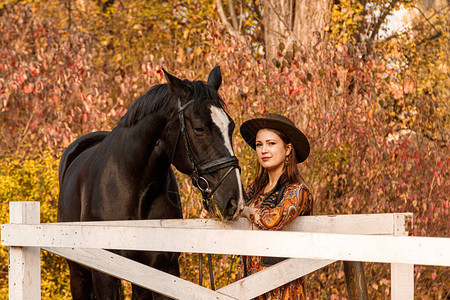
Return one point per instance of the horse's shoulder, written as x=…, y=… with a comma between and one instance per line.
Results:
x=78, y=146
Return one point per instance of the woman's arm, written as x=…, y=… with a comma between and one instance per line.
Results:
x=297, y=200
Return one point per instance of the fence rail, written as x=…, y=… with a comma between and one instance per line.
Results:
x=312, y=242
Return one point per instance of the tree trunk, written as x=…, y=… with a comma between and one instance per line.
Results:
x=294, y=21
x=278, y=24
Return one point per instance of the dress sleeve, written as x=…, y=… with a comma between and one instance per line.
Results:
x=297, y=200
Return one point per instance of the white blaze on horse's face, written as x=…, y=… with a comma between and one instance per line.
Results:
x=222, y=121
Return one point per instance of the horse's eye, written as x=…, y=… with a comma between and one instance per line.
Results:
x=199, y=130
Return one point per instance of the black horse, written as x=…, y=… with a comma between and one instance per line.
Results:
x=125, y=174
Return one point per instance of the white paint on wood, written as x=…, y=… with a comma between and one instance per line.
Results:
x=402, y=281
x=351, y=224
x=346, y=224
x=273, y=277
x=177, y=288
x=24, y=262
x=402, y=275
x=25, y=212
x=374, y=248
x=142, y=275
x=210, y=236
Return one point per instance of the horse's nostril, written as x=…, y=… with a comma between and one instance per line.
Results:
x=231, y=207
x=234, y=209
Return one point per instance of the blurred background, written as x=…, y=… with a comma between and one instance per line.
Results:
x=367, y=81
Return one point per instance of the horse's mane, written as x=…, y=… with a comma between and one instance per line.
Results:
x=159, y=95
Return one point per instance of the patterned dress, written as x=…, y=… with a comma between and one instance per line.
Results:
x=296, y=201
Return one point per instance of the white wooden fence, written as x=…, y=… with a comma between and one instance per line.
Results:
x=312, y=242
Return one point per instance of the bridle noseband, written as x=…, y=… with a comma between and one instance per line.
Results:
x=198, y=180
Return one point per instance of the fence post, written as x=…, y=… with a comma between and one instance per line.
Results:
x=355, y=280
x=24, y=262
x=402, y=275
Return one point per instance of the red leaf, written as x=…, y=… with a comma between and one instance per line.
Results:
x=436, y=174
x=28, y=89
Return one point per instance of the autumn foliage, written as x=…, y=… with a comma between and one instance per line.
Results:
x=376, y=117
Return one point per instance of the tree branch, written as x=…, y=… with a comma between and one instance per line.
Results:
x=382, y=18
x=223, y=18
x=425, y=17
x=436, y=35
x=234, y=19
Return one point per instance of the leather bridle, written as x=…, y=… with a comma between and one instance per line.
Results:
x=199, y=171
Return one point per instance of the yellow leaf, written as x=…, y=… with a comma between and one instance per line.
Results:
x=198, y=50
x=185, y=33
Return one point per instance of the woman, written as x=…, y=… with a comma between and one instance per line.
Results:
x=278, y=194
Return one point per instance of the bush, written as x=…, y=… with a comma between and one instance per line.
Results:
x=33, y=178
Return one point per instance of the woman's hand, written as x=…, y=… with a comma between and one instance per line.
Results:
x=248, y=212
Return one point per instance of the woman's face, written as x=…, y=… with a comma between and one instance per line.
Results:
x=271, y=150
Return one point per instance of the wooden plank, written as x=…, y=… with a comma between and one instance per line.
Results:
x=402, y=281
x=142, y=275
x=273, y=277
x=346, y=224
x=24, y=262
x=402, y=275
x=351, y=224
x=375, y=248
x=24, y=212
x=175, y=287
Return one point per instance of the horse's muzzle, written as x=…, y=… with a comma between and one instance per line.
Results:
x=234, y=209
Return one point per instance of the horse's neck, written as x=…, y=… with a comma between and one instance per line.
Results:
x=143, y=147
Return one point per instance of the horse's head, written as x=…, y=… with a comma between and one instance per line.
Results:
x=200, y=144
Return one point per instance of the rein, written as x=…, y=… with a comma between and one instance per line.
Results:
x=198, y=180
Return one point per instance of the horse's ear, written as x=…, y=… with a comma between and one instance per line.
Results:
x=177, y=86
x=215, y=78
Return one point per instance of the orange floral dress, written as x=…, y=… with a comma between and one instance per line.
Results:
x=296, y=201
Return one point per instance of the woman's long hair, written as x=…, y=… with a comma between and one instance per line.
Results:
x=291, y=169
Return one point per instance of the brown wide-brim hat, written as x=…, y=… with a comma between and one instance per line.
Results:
x=250, y=128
